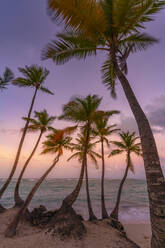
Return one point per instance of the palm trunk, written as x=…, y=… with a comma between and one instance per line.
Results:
x=4, y=187
x=90, y=210
x=11, y=230
x=104, y=211
x=115, y=211
x=18, y=201
x=154, y=174
x=71, y=198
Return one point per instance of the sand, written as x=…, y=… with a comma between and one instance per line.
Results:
x=99, y=235
x=139, y=233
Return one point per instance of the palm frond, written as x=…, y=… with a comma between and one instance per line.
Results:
x=84, y=15
x=115, y=152
x=46, y=90
x=109, y=76
x=68, y=46
x=138, y=42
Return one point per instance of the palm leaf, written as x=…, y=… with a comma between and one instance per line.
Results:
x=138, y=42
x=86, y=15
x=109, y=76
x=115, y=152
x=68, y=46
x=46, y=90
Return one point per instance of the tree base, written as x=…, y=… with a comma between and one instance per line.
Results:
x=66, y=223
x=93, y=218
x=2, y=209
x=116, y=224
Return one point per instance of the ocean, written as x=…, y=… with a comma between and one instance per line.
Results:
x=133, y=207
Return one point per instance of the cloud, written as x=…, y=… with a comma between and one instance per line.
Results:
x=156, y=114
x=128, y=123
x=9, y=131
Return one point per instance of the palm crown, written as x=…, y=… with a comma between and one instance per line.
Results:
x=34, y=76
x=81, y=110
x=100, y=25
x=127, y=144
x=6, y=78
x=78, y=147
x=56, y=146
x=41, y=122
x=102, y=129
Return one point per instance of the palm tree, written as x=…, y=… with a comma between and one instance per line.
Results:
x=42, y=122
x=128, y=145
x=103, y=130
x=79, y=152
x=81, y=111
x=34, y=77
x=52, y=146
x=7, y=77
x=114, y=27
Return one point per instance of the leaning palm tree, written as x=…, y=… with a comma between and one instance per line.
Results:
x=78, y=153
x=81, y=111
x=42, y=122
x=7, y=77
x=115, y=28
x=34, y=77
x=128, y=145
x=53, y=146
x=102, y=130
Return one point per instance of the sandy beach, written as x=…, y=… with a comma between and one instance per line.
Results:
x=139, y=233
x=98, y=235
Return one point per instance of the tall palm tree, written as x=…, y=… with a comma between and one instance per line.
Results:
x=42, y=122
x=81, y=111
x=34, y=77
x=102, y=130
x=114, y=27
x=128, y=145
x=79, y=152
x=7, y=77
x=53, y=146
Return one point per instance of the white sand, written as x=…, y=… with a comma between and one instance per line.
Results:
x=139, y=233
x=99, y=235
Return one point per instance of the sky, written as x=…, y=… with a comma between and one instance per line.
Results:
x=25, y=29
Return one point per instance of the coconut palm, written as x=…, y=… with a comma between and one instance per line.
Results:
x=127, y=145
x=115, y=28
x=102, y=130
x=7, y=77
x=34, y=77
x=42, y=122
x=92, y=155
x=81, y=111
x=53, y=146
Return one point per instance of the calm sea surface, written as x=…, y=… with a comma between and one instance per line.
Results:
x=134, y=202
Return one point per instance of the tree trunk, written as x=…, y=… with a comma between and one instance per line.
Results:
x=154, y=174
x=103, y=208
x=4, y=187
x=71, y=198
x=18, y=201
x=11, y=230
x=115, y=211
x=90, y=210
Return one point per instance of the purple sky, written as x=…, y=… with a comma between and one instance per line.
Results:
x=25, y=29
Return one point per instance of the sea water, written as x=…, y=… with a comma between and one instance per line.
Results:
x=133, y=206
